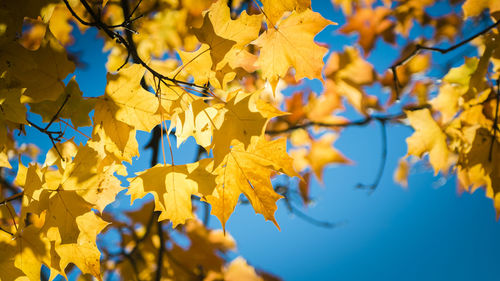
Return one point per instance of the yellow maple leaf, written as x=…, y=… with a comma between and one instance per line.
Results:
x=30, y=258
x=199, y=65
x=473, y=8
x=92, y=178
x=76, y=107
x=274, y=9
x=225, y=35
x=44, y=80
x=242, y=117
x=129, y=102
x=401, y=173
x=84, y=253
x=428, y=138
x=346, y=75
x=248, y=171
x=11, y=107
x=291, y=44
x=9, y=250
x=322, y=154
x=222, y=50
x=239, y=269
x=370, y=23
x=172, y=187
x=124, y=108
x=117, y=137
x=197, y=121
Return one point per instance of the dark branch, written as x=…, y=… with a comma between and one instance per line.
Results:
x=292, y=209
x=361, y=122
x=127, y=43
x=418, y=48
x=12, y=198
x=58, y=112
x=54, y=136
x=8, y=232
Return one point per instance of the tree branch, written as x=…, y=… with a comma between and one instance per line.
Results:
x=12, y=198
x=361, y=122
x=418, y=48
x=127, y=43
x=54, y=136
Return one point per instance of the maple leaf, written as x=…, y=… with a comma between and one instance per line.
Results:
x=51, y=67
x=124, y=108
x=242, y=117
x=401, y=173
x=248, y=171
x=172, y=187
x=92, y=177
x=473, y=8
x=11, y=107
x=225, y=35
x=197, y=121
x=370, y=24
x=291, y=44
x=128, y=101
x=347, y=73
x=84, y=253
x=315, y=154
x=31, y=251
x=66, y=219
x=239, y=269
x=274, y=9
x=322, y=153
x=428, y=137
x=223, y=40
x=75, y=106
x=206, y=246
x=199, y=65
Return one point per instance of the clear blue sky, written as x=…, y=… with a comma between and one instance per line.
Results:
x=427, y=232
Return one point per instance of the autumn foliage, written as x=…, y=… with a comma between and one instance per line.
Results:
x=214, y=71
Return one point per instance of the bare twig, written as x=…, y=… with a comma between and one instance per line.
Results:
x=306, y=217
x=58, y=112
x=12, y=198
x=54, y=136
x=356, y=123
x=127, y=43
x=418, y=48
x=8, y=232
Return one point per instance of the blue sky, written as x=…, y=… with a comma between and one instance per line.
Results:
x=427, y=232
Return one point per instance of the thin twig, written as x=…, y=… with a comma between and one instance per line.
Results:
x=54, y=136
x=58, y=112
x=8, y=232
x=73, y=13
x=305, y=217
x=12, y=198
x=420, y=47
x=361, y=122
x=127, y=43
